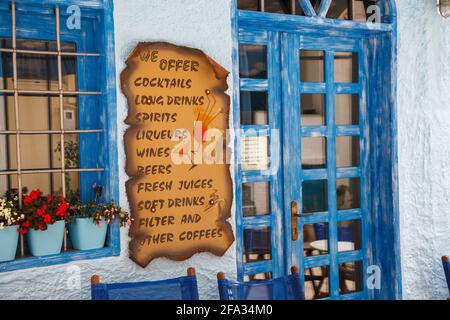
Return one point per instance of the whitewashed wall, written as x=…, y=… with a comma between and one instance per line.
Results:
x=202, y=24
x=424, y=147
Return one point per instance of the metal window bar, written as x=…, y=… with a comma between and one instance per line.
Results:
x=61, y=94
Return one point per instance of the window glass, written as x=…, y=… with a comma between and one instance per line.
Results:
x=314, y=153
x=256, y=199
x=315, y=196
x=313, y=109
x=254, y=108
x=312, y=66
x=252, y=61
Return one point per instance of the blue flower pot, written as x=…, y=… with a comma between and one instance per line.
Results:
x=9, y=237
x=86, y=235
x=44, y=243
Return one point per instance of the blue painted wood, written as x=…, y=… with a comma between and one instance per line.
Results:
x=43, y=27
x=254, y=85
x=290, y=23
x=307, y=8
x=324, y=7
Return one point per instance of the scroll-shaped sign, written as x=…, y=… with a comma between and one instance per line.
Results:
x=180, y=189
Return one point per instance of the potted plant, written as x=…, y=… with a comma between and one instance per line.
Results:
x=89, y=222
x=44, y=222
x=9, y=237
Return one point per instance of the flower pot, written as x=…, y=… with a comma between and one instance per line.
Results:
x=44, y=243
x=86, y=235
x=9, y=237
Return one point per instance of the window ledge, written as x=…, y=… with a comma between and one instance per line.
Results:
x=62, y=258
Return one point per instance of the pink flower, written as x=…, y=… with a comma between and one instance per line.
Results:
x=94, y=185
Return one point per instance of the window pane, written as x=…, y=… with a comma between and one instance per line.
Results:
x=349, y=235
x=252, y=61
x=315, y=196
x=314, y=153
x=347, y=151
x=315, y=238
x=350, y=277
x=312, y=67
x=349, y=9
x=41, y=181
x=347, y=110
x=254, y=108
x=277, y=6
x=313, y=109
x=346, y=67
x=348, y=194
x=38, y=151
x=256, y=199
x=317, y=284
x=257, y=244
x=248, y=5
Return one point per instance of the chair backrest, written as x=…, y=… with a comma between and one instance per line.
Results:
x=182, y=288
x=446, y=265
x=284, y=288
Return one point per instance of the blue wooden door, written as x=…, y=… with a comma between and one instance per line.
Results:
x=325, y=163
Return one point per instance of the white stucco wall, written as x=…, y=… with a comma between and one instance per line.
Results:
x=424, y=147
x=423, y=131
x=202, y=24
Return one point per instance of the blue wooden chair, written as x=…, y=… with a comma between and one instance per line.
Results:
x=183, y=288
x=284, y=288
x=446, y=265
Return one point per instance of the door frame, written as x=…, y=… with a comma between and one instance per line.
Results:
x=381, y=59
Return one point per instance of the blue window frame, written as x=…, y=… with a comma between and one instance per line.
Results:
x=279, y=39
x=96, y=100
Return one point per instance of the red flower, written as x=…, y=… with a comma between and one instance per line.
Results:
x=42, y=210
x=62, y=199
x=50, y=198
x=27, y=200
x=26, y=224
x=47, y=219
x=35, y=194
x=22, y=231
x=62, y=209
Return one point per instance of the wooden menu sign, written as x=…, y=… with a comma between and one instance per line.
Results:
x=180, y=189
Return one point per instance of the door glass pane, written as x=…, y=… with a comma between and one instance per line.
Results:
x=347, y=151
x=313, y=109
x=349, y=235
x=254, y=108
x=348, y=193
x=314, y=153
x=315, y=196
x=315, y=239
x=350, y=277
x=256, y=199
x=317, y=284
x=257, y=244
x=347, y=110
x=252, y=61
x=312, y=67
x=346, y=67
